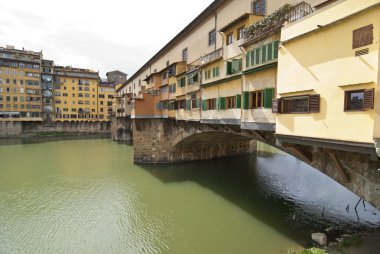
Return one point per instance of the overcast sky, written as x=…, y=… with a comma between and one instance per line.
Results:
x=100, y=35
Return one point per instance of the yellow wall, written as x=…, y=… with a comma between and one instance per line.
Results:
x=105, y=102
x=20, y=92
x=324, y=62
x=68, y=106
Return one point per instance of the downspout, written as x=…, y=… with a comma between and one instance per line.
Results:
x=241, y=87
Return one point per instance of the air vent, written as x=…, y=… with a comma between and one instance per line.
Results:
x=362, y=52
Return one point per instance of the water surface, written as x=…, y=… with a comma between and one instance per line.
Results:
x=87, y=196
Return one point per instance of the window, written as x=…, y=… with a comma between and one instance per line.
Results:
x=7, y=72
x=185, y=54
x=194, y=101
x=256, y=99
x=258, y=7
x=362, y=37
x=229, y=38
x=207, y=74
x=297, y=104
x=14, y=73
x=211, y=104
x=234, y=66
x=359, y=100
x=230, y=102
x=262, y=55
x=215, y=72
x=212, y=37
x=182, y=82
x=192, y=78
x=240, y=33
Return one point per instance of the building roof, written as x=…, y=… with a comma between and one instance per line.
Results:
x=210, y=10
x=243, y=17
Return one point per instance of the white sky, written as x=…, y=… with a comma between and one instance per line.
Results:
x=102, y=35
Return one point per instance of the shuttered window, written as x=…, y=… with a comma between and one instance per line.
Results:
x=369, y=98
x=245, y=100
x=362, y=37
x=314, y=103
x=238, y=101
x=276, y=106
x=268, y=97
x=359, y=100
x=262, y=55
x=297, y=104
x=234, y=66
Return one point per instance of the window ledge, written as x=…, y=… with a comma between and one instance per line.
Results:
x=357, y=84
x=299, y=91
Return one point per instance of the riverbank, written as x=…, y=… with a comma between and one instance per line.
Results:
x=364, y=242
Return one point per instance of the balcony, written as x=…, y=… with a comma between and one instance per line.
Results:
x=272, y=23
x=213, y=56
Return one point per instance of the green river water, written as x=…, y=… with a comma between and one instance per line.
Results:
x=87, y=196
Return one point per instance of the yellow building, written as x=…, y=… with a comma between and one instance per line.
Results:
x=76, y=94
x=106, y=92
x=20, y=85
x=328, y=77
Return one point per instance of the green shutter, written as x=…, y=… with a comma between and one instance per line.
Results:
x=223, y=103
x=257, y=53
x=240, y=64
x=238, y=101
x=268, y=97
x=204, y=105
x=264, y=53
x=270, y=51
x=229, y=68
x=174, y=88
x=275, y=49
x=252, y=57
x=188, y=104
x=216, y=71
x=247, y=59
x=245, y=100
x=198, y=103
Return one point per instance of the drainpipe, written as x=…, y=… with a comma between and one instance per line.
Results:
x=242, y=87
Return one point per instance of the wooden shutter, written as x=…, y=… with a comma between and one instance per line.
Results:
x=238, y=101
x=369, y=98
x=362, y=37
x=229, y=68
x=276, y=106
x=221, y=103
x=245, y=100
x=314, y=103
x=268, y=97
x=198, y=103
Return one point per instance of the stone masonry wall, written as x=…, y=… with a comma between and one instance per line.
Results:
x=20, y=129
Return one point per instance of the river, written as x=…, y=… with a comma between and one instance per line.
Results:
x=87, y=196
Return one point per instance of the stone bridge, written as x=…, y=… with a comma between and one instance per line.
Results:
x=172, y=141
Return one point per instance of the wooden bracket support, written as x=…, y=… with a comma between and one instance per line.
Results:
x=338, y=166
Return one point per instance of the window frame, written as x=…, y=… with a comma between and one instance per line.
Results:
x=212, y=37
x=229, y=38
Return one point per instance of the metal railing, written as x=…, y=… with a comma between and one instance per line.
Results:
x=274, y=21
